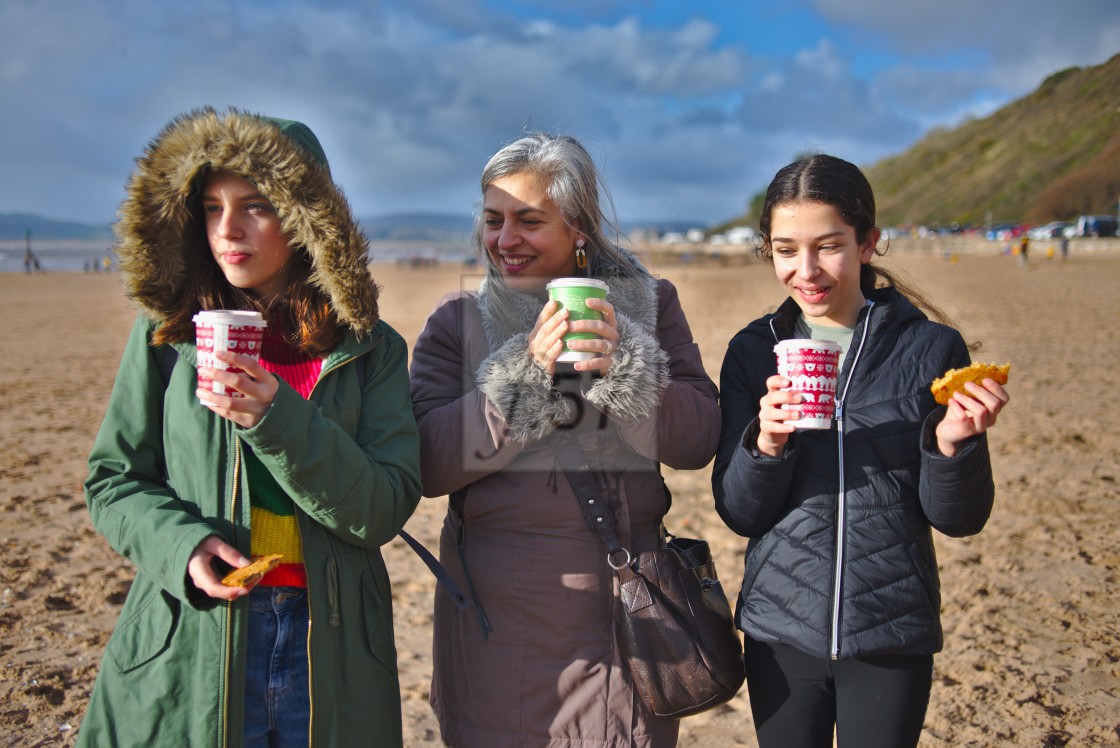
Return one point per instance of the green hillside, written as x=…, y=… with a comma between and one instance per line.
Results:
x=1051, y=155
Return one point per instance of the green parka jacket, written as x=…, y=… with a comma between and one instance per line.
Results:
x=166, y=472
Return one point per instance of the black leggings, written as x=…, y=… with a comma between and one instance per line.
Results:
x=797, y=698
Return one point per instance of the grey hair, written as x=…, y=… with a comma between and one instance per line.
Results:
x=572, y=183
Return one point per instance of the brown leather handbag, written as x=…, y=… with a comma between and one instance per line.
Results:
x=676, y=628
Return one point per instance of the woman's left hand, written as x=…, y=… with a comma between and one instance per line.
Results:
x=607, y=342
x=969, y=416
x=253, y=381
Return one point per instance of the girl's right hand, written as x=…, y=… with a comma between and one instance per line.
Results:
x=201, y=570
x=546, y=339
x=773, y=431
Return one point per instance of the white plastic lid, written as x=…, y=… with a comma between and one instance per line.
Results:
x=817, y=345
x=576, y=282
x=232, y=317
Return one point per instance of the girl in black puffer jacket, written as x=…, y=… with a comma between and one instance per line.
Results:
x=840, y=600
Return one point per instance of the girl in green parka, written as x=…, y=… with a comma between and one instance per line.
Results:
x=318, y=461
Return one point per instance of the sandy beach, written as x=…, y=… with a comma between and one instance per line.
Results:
x=1032, y=604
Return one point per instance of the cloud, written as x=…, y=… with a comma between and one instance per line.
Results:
x=927, y=92
x=1013, y=44
x=690, y=111
x=818, y=95
x=631, y=60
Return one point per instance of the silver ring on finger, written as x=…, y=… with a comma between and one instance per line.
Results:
x=610, y=348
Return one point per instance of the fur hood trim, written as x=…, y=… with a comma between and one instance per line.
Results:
x=285, y=162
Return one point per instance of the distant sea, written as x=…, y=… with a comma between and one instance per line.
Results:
x=84, y=255
x=56, y=256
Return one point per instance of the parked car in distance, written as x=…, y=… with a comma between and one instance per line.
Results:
x=1096, y=226
x=1005, y=231
x=1052, y=230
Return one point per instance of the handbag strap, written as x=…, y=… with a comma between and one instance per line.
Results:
x=596, y=512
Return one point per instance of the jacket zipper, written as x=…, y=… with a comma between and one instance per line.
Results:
x=229, y=603
x=340, y=364
x=332, y=574
x=307, y=648
x=841, y=499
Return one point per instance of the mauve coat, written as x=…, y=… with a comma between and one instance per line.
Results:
x=550, y=673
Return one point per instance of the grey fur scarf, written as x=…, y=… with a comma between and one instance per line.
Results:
x=525, y=394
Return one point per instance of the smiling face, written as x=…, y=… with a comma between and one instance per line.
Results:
x=244, y=234
x=525, y=233
x=817, y=259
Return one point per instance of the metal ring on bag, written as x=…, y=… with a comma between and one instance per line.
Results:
x=624, y=564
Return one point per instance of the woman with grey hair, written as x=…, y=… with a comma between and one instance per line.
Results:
x=535, y=660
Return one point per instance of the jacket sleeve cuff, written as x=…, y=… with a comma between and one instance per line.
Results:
x=754, y=487
x=929, y=441
x=956, y=492
x=750, y=446
x=522, y=392
x=634, y=385
x=180, y=584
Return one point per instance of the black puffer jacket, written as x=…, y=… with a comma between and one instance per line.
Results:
x=841, y=559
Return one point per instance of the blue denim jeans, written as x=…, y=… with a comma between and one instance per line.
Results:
x=277, y=700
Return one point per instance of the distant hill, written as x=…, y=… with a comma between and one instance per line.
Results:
x=446, y=227
x=433, y=227
x=16, y=226
x=1050, y=155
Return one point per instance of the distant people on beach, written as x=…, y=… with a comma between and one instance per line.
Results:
x=1064, y=247
x=312, y=458
x=537, y=661
x=840, y=602
x=31, y=262
x=1024, y=248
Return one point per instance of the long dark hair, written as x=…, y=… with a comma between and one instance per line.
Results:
x=833, y=181
x=303, y=311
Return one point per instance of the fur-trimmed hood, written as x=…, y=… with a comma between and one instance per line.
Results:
x=284, y=160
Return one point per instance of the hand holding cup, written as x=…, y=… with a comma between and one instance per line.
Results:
x=606, y=338
x=592, y=327
x=250, y=389
x=231, y=381
x=776, y=414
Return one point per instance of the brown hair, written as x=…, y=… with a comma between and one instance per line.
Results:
x=303, y=311
x=833, y=181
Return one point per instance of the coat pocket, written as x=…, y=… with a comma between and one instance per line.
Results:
x=758, y=552
x=378, y=626
x=145, y=633
x=927, y=573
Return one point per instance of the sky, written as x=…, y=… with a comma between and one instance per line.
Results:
x=688, y=107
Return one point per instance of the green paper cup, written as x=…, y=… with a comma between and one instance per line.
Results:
x=572, y=294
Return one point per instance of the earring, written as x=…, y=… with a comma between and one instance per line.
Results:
x=581, y=255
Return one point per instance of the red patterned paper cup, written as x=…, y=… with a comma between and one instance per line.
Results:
x=812, y=366
x=226, y=330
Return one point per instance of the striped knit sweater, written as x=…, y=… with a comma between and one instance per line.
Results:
x=273, y=513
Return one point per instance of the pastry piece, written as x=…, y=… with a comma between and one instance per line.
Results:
x=954, y=379
x=252, y=573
